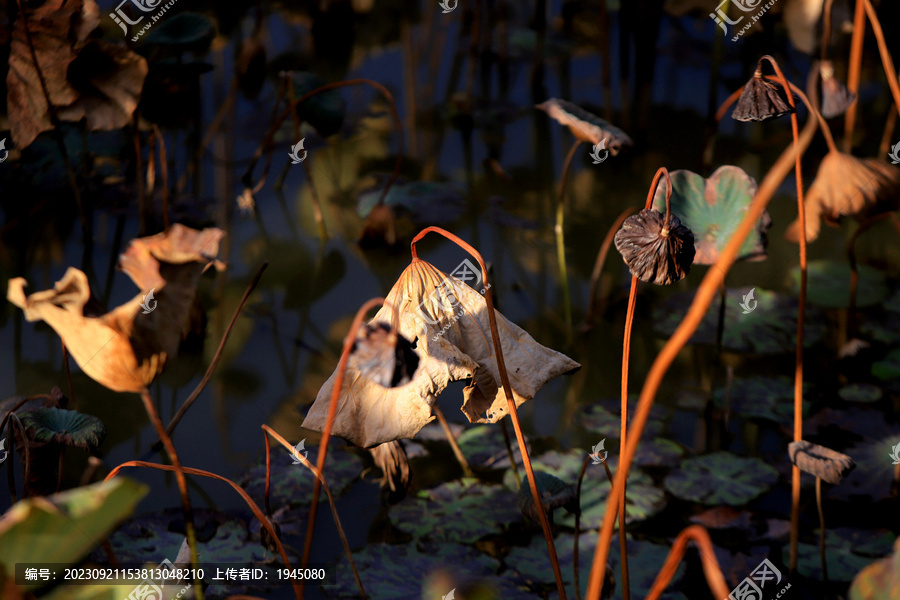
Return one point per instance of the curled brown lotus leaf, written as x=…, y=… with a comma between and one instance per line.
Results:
x=127, y=348
x=820, y=461
x=85, y=78
x=847, y=186
x=448, y=323
x=654, y=252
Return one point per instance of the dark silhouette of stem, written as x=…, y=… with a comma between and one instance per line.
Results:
x=601, y=259
x=457, y=452
x=561, y=236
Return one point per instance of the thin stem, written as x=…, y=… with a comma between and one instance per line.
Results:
x=854, y=273
x=821, y=529
x=164, y=171
x=509, y=452
x=334, y=512
x=65, y=357
x=711, y=569
x=218, y=355
x=561, y=236
x=601, y=259
x=460, y=458
x=243, y=494
x=886, y=61
x=507, y=389
x=268, y=476
x=191, y=533
x=332, y=410
x=59, y=468
x=702, y=300
x=801, y=309
x=856, y=50
x=826, y=28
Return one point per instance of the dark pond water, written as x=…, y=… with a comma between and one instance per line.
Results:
x=287, y=340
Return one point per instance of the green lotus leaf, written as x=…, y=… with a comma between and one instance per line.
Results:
x=713, y=208
x=861, y=392
x=554, y=492
x=848, y=551
x=458, y=511
x=879, y=580
x=64, y=527
x=769, y=328
x=390, y=572
x=658, y=452
x=424, y=201
x=888, y=368
x=483, y=446
x=721, y=478
x=643, y=500
x=605, y=417
x=529, y=566
x=769, y=398
x=66, y=427
x=325, y=110
x=828, y=284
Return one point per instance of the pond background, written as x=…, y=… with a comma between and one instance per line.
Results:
x=288, y=339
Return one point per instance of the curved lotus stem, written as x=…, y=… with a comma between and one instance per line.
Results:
x=711, y=568
x=559, y=229
x=601, y=259
x=853, y=75
x=575, y=563
x=886, y=61
x=243, y=494
x=334, y=512
x=702, y=300
x=332, y=410
x=507, y=389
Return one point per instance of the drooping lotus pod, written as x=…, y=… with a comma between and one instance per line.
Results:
x=656, y=252
x=448, y=322
x=761, y=100
x=836, y=98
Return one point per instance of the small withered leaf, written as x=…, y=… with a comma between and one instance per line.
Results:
x=653, y=253
x=836, y=98
x=761, y=100
x=820, y=461
x=586, y=126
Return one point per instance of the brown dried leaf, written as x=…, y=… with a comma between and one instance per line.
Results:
x=103, y=85
x=825, y=463
x=448, y=323
x=847, y=186
x=126, y=348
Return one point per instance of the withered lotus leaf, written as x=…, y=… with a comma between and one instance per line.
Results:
x=126, y=348
x=824, y=463
x=761, y=100
x=448, y=323
x=836, y=98
x=86, y=78
x=586, y=126
x=847, y=186
x=653, y=252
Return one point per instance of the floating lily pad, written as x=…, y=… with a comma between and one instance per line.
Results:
x=66, y=427
x=605, y=417
x=64, y=527
x=770, y=328
x=529, y=566
x=292, y=484
x=324, y=111
x=390, y=572
x=425, y=201
x=721, y=478
x=861, y=392
x=554, y=493
x=888, y=368
x=828, y=285
x=769, y=398
x=644, y=499
x=658, y=452
x=880, y=580
x=713, y=208
x=483, y=446
x=848, y=551
x=458, y=511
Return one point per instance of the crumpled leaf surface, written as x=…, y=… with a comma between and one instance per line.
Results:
x=125, y=349
x=429, y=302
x=85, y=78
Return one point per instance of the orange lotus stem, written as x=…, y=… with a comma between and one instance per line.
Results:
x=856, y=50
x=507, y=389
x=711, y=568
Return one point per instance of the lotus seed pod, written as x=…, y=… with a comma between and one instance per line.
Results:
x=761, y=100
x=653, y=252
